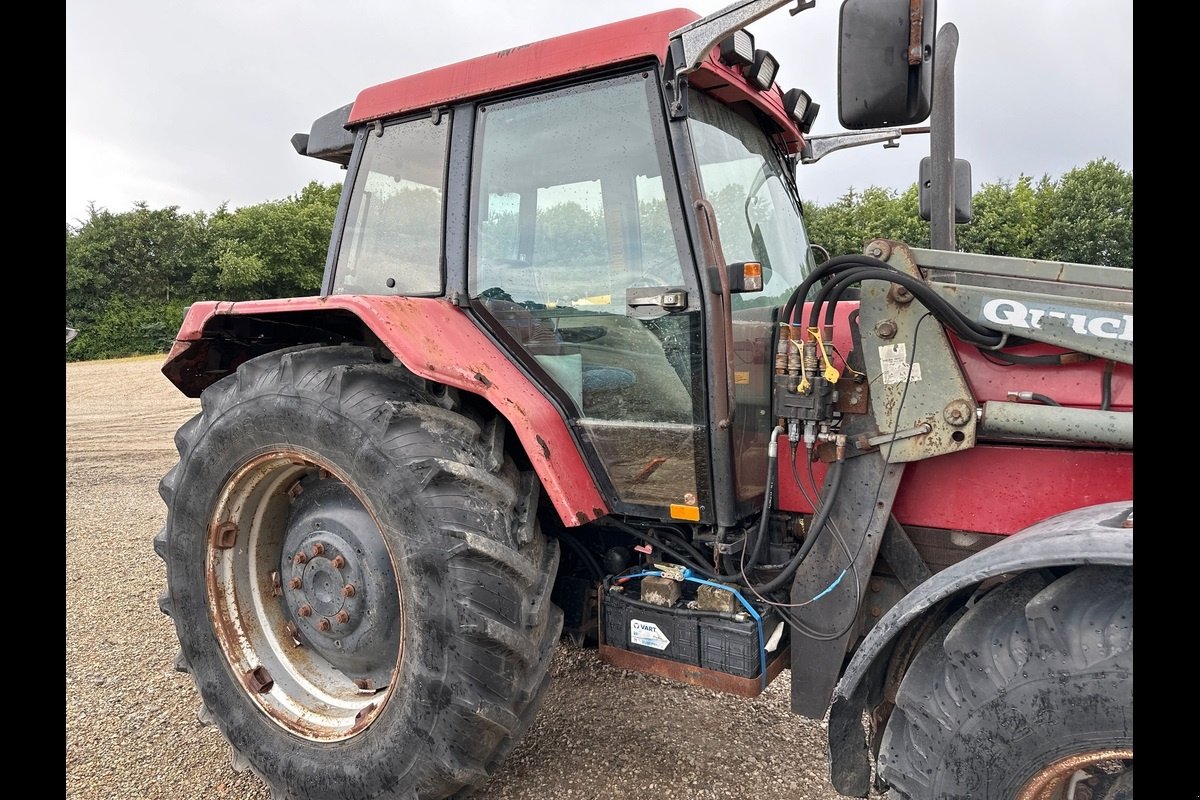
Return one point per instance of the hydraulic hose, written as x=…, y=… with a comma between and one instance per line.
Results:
x=819, y=520
x=836, y=264
x=672, y=552
x=968, y=329
x=764, y=521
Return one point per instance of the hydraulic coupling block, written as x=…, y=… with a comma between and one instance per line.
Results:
x=810, y=408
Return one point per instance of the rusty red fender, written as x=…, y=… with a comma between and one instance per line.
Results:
x=437, y=341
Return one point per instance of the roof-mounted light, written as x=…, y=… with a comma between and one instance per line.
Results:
x=737, y=49
x=762, y=72
x=800, y=107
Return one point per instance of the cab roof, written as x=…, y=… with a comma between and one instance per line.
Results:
x=605, y=45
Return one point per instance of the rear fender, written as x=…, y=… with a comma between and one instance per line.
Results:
x=432, y=338
x=1091, y=535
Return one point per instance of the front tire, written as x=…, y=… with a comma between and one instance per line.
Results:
x=357, y=579
x=1024, y=695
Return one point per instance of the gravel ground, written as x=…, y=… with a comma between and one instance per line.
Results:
x=132, y=730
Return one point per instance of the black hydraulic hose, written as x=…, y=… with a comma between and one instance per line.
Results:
x=967, y=329
x=1045, y=399
x=1106, y=386
x=835, y=264
x=587, y=558
x=682, y=559
x=679, y=539
x=819, y=520
x=764, y=521
x=1051, y=359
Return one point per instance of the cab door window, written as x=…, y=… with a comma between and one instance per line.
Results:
x=572, y=245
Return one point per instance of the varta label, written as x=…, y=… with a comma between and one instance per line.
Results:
x=1085, y=322
x=647, y=634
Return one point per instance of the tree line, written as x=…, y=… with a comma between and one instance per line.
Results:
x=130, y=275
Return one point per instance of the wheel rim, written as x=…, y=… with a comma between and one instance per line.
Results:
x=303, y=596
x=1084, y=776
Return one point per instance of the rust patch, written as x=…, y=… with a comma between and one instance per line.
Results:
x=224, y=535
x=258, y=680
x=479, y=376
x=599, y=512
x=545, y=447
x=362, y=718
x=852, y=395
x=581, y=517
x=693, y=675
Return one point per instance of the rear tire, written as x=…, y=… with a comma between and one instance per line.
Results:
x=357, y=578
x=1015, y=695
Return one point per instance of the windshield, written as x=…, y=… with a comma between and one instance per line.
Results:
x=758, y=214
x=758, y=218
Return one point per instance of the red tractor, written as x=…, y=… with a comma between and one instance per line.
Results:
x=575, y=369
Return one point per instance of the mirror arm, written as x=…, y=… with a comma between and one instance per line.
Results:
x=697, y=39
x=817, y=147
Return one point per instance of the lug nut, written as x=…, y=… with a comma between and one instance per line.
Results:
x=348, y=590
x=324, y=624
x=295, y=583
x=299, y=558
x=343, y=616
x=318, y=549
x=338, y=562
x=304, y=610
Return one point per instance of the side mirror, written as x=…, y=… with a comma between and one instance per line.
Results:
x=885, y=62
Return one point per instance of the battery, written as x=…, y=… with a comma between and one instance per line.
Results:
x=711, y=640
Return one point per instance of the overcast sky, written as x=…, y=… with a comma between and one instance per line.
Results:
x=193, y=103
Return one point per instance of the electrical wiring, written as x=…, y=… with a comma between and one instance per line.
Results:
x=672, y=552
x=891, y=442
x=819, y=520
x=679, y=539
x=851, y=559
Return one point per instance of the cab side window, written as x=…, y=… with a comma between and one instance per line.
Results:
x=392, y=242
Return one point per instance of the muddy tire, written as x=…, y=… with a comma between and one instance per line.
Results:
x=1026, y=694
x=357, y=578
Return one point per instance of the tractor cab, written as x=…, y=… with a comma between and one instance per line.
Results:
x=618, y=234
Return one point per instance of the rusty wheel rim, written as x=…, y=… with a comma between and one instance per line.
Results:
x=1074, y=777
x=270, y=640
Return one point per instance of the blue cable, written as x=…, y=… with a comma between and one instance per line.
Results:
x=688, y=575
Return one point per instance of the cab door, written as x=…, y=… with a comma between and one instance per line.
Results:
x=575, y=264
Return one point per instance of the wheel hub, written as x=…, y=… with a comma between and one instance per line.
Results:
x=339, y=590
x=302, y=595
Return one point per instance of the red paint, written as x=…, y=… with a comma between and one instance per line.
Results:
x=990, y=488
x=1000, y=488
x=606, y=45
x=727, y=85
x=563, y=56
x=1070, y=384
x=439, y=342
